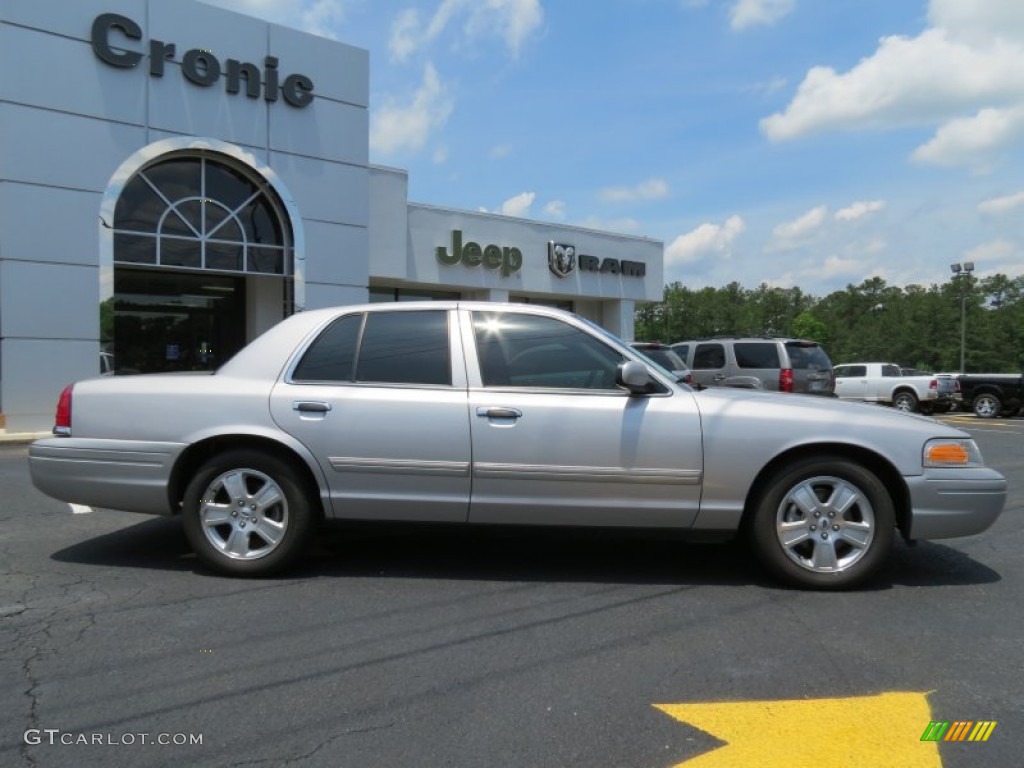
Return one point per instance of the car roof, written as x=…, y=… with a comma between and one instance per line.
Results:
x=783, y=339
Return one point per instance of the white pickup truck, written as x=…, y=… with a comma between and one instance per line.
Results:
x=885, y=383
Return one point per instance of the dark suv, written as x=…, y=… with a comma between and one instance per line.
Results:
x=762, y=362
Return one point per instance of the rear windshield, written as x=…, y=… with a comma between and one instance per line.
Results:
x=805, y=355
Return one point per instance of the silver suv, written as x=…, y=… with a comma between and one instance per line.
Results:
x=763, y=362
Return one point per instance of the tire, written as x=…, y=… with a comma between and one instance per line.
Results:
x=905, y=401
x=245, y=513
x=785, y=528
x=987, y=406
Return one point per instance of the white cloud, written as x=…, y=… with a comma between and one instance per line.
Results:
x=967, y=61
x=321, y=17
x=749, y=13
x=706, y=240
x=652, y=189
x=996, y=256
x=979, y=22
x=404, y=31
x=440, y=154
x=838, y=266
x=997, y=251
x=859, y=209
x=500, y=151
x=555, y=209
x=974, y=141
x=513, y=21
x=792, y=234
x=999, y=205
x=518, y=206
x=395, y=127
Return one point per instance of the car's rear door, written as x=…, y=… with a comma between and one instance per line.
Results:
x=380, y=399
x=709, y=365
x=851, y=382
x=555, y=441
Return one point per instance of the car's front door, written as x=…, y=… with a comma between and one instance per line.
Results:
x=555, y=441
x=380, y=399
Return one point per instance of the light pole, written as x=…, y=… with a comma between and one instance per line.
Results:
x=962, y=271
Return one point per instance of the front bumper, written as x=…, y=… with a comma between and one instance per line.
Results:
x=115, y=474
x=946, y=503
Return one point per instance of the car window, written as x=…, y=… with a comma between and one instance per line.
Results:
x=332, y=356
x=682, y=350
x=709, y=356
x=754, y=354
x=891, y=370
x=523, y=350
x=804, y=355
x=666, y=358
x=850, y=371
x=392, y=347
x=405, y=348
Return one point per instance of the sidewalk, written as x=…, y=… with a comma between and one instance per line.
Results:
x=7, y=438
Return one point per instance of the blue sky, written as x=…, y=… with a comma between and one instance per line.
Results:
x=803, y=143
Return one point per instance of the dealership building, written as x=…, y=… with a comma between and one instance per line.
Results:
x=176, y=178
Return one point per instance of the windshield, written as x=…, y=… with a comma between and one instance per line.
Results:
x=666, y=358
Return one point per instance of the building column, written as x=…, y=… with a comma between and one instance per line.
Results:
x=617, y=317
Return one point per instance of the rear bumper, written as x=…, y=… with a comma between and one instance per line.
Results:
x=954, y=502
x=115, y=474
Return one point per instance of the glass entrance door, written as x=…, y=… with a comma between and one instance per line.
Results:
x=176, y=321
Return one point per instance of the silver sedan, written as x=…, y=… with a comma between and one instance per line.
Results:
x=479, y=413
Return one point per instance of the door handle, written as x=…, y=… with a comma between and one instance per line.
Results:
x=311, y=406
x=493, y=412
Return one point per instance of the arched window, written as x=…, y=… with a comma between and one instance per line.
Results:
x=196, y=211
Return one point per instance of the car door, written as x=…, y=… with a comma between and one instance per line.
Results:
x=379, y=398
x=709, y=366
x=851, y=382
x=555, y=441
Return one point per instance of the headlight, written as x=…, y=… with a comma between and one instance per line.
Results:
x=944, y=452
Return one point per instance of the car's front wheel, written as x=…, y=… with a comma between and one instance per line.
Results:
x=824, y=523
x=245, y=513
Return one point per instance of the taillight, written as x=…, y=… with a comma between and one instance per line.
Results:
x=62, y=421
x=785, y=380
x=933, y=384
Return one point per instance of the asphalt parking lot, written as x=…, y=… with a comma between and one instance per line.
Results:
x=434, y=647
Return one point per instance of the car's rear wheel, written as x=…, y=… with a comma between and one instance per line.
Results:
x=905, y=401
x=987, y=406
x=824, y=523
x=245, y=513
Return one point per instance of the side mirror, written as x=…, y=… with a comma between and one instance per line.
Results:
x=633, y=376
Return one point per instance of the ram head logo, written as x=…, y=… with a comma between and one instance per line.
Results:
x=561, y=258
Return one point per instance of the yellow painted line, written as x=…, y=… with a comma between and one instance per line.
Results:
x=882, y=730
